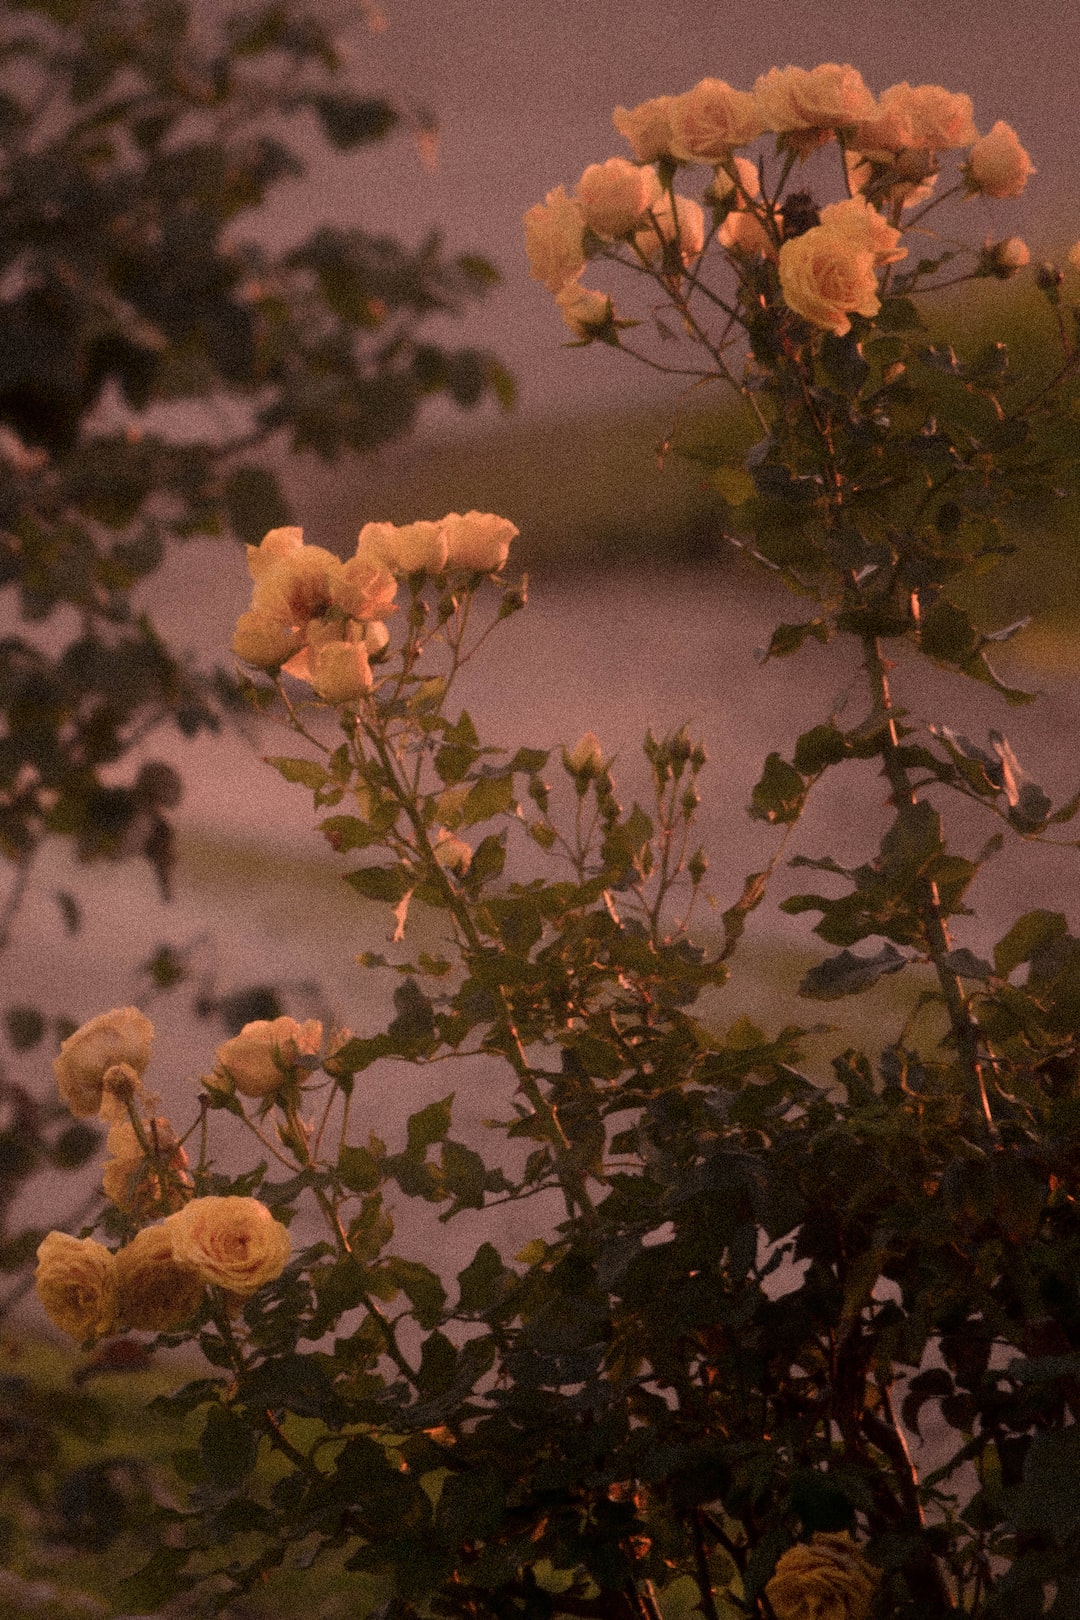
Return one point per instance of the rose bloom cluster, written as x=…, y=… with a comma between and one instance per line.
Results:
x=155, y=1282
x=323, y=620
x=892, y=146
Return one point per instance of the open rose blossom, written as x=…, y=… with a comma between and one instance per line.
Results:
x=928, y=115
x=478, y=540
x=686, y=222
x=998, y=165
x=825, y=98
x=585, y=311
x=266, y=1054
x=340, y=672
x=614, y=195
x=864, y=227
x=76, y=1284
x=647, y=127
x=554, y=240
x=707, y=121
x=401, y=548
x=824, y=277
x=155, y=1294
x=827, y=1580
x=233, y=1243
x=123, y=1035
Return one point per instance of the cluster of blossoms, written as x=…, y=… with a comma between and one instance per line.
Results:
x=155, y=1282
x=324, y=620
x=827, y=264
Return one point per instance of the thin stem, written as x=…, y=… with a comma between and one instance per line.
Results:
x=15, y=896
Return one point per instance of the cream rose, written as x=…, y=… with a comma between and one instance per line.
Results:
x=297, y=587
x=1003, y=259
x=745, y=183
x=647, y=127
x=233, y=1243
x=585, y=311
x=279, y=543
x=263, y=642
x=707, y=121
x=76, y=1284
x=934, y=118
x=686, y=223
x=365, y=589
x=614, y=195
x=478, y=540
x=861, y=224
x=743, y=233
x=138, y=1184
x=824, y=98
x=340, y=672
x=123, y=1035
x=554, y=240
x=405, y=548
x=998, y=165
x=827, y=1580
x=824, y=277
x=266, y=1054
x=155, y=1294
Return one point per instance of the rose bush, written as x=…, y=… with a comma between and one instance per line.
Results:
x=752, y=1287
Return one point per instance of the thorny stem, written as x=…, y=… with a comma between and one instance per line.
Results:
x=572, y=1179
x=962, y=1020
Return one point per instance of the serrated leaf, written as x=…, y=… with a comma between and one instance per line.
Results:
x=848, y=974
x=305, y=771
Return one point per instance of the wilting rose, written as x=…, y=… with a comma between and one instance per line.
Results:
x=824, y=98
x=935, y=118
x=998, y=165
x=586, y=758
x=554, y=240
x=264, y=642
x=144, y=1186
x=824, y=278
x=266, y=1054
x=647, y=127
x=123, y=1035
x=585, y=311
x=155, y=1294
x=614, y=195
x=478, y=540
x=452, y=853
x=233, y=1243
x=272, y=548
x=707, y=121
x=685, y=223
x=861, y=224
x=76, y=1284
x=402, y=548
x=827, y=1580
x=340, y=672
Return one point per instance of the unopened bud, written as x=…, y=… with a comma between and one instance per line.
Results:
x=586, y=758
x=1003, y=259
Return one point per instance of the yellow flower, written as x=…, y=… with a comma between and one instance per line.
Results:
x=233, y=1243
x=477, y=540
x=825, y=98
x=707, y=121
x=399, y=548
x=76, y=1283
x=267, y=1053
x=824, y=276
x=555, y=240
x=614, y=195
x=827, y=1580
x=138, y=1184
x=122, y=1036
x=864, y=227
x=154, y=1292
x=647, y=127
x=998, y=165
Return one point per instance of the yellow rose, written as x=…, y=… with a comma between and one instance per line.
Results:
x=614, y=195
x=267, y=1053
x=685, y=223
x=707, y=121
x=297, y=587
x=365, y=589
x=263, y=642
x=647, y=127
x=585, y=311
x=123, y=1035
x=998, y=165
x=155, y=1294
x=742, y=232
x=409, y=548
x=814, y=99
x=340, y=672
x=823, y=277
x=864, y=227
x=233, y=1243
x=745, y=183
x=827, y=1580
x=477, y=540
x=272, y=548
x=554, y=240
x=935, y=118
x=1073, y=255
x=76, y=1284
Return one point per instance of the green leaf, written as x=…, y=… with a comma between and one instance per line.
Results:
x=428, y=1126
x=254, y=503
x=305, y=771
x=1030, y=934
x=25, y=1026
x=847, y=974
x=424, y=1289
x=470, y=1507
x=821, y=746
x=491, y=796
x=359, y=1169
x=788, y=638
x=354, y=120
x=780, y=794
x=465, y=1174
x=389, y=883
x=484, y=1281
x=228, y=1447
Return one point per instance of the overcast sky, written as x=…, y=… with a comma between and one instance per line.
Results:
x=523, y=90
